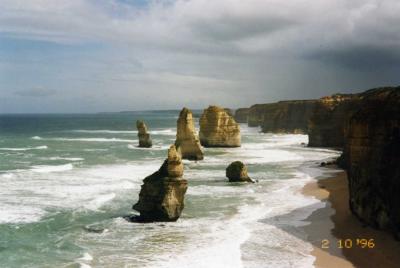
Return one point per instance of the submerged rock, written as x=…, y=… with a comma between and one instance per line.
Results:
x=218, y=128
x=186, y=138
x=161, y=197
x=237, y=172
x=144, y=136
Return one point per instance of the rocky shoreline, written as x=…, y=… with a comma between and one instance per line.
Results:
x=366, y=126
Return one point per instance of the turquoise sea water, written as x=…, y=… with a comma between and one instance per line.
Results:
x=67, y=180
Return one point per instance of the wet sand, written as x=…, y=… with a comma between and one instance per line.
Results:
x=335, y=222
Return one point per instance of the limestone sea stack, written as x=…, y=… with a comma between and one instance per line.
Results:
x=237, y=172
x=186, y=138
x=218, y=128
x=144, y=136
x=162, y=194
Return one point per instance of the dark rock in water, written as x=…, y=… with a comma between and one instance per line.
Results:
x=161, y=197
x=95, y=229
x=144, y=136
x=219, y=129
x=372, y=158
x=186, y=137
x=237, y=172
x=328, y=163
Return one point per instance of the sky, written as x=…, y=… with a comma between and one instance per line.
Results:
x=62, y=56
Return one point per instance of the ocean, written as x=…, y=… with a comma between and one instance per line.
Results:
x=66, y=181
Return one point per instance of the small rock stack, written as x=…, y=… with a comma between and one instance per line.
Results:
x=237, y=172
x=161, y=197
x=144, y=136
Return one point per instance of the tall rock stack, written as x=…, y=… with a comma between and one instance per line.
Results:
x=144, y=136
x=372, y=158
x=218, y=128
x=186, y=138
x=161, y=197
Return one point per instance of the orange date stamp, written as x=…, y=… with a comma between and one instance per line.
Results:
x=349, y=243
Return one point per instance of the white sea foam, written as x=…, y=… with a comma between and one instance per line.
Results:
x=43, y=147
x=167, y=132
x=84, y=265
x=47, y=169
x=36, y=138
x=103, y=131
x=66, y=158
x=99, y=201
x=86, y=257
x=63, y=186
x=154, y=147
x=7, y=175
x=17, y=213
x=92, y=139
x=95, y=150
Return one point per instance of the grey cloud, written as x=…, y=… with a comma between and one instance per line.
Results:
x=366, y=58
x=269, y=49
x=35, y=92
x=234, y=28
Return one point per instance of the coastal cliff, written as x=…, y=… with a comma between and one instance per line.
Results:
x=280, y=117
x=372, y=158
x=218, y=128
x=288, y=116
x=327, y=123
x=241, y=115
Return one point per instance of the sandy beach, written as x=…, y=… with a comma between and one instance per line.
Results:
x=335, y=224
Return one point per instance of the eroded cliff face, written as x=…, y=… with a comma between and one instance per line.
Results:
x=282, y=117
x=327, y=123
x=255, y=114
x=241, y=115
x=288, y=116
x=218, y=128
x=372, y=158
x=186, y=137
